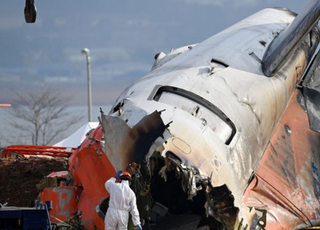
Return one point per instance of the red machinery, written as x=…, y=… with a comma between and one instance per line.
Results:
x=74, y=193
x=77, y=193
x=33, y=150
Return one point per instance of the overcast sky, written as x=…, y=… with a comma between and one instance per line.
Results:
x=123, y=36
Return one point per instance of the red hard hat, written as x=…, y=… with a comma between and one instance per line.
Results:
x=125, y=176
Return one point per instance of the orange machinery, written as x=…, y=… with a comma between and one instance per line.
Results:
x=76, y=193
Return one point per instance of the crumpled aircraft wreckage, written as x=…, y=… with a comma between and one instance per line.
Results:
x=223, y=134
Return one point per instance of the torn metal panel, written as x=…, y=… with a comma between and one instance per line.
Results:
x=220, y=204
x=312, y=100
x=311, y=92
x=170, y=191
x=124, y=145
x=286, y=184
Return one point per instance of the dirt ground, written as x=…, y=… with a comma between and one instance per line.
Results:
x=19, y=176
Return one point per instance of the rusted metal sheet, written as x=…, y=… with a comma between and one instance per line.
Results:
x=287, y=183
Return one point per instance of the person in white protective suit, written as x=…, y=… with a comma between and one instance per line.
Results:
x=122, y=201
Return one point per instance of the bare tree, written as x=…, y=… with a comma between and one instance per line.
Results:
x=42, y=114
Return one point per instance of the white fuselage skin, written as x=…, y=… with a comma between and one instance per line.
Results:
x=233, y=82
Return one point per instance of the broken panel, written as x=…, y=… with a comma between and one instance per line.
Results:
x=311, y=92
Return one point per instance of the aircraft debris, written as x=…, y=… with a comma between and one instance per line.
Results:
x=232, y=147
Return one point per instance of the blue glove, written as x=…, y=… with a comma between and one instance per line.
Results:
x=139, y=226
x=118, y=174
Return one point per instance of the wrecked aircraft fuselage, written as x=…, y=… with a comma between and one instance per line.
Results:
x=193, y=132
